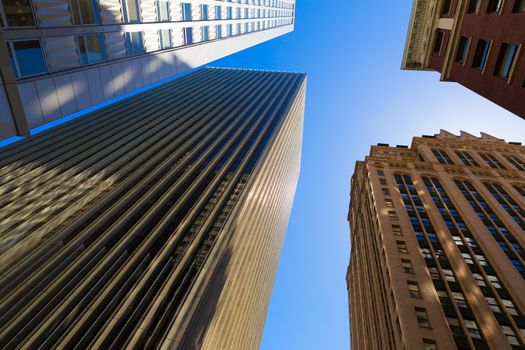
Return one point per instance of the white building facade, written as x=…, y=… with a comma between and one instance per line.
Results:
x=58, y=57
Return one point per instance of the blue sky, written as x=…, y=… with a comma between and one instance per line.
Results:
x=356, y=96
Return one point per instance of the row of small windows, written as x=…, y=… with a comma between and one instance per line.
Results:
x=19, y=13
x=490, y=159
x=28, y=59
x=495, y=6
x=505, y=60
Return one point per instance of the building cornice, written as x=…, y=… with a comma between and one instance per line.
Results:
x=422, y=20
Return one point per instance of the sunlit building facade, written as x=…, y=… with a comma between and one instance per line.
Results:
x=153, y=223
x=58, y=57
x=477, y=43
x=438, y=245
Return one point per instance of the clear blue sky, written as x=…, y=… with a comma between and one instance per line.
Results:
x=356, y=96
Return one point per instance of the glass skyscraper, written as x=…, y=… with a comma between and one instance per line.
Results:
x=62, y=56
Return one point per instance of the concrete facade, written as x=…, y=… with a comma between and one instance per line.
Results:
x=168, y=42
x=156, y=222
x=437, y=245
x=447, y=36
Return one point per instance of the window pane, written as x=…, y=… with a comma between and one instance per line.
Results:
x=18, y=13
x=165, y=38
x=132, y=11
x=29, y=57
x=519, y=6
x=463, y=46
x=480, y=57
x=439, y=42
x=84, y=11
x=473, y=6
x=204, y=12
x=186, y=12
x=95, y=48
x=188, y=36
x=205, y=33
x=134, y=43
x=505, y=60
x=163, y=11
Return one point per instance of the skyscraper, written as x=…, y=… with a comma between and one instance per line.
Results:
x=437, y=256
x=61, y=56
x=156, y=222
x=477, y=43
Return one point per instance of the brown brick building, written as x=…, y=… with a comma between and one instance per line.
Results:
x=477, y=43
x=437, y=256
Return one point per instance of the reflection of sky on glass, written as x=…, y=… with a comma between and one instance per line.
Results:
x=357, y=96
x=29, y=56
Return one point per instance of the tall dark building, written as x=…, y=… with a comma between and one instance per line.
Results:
x=438, y=245
x=156, y=222
x=477, y=43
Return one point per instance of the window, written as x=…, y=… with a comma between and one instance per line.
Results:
x=163, y=11
x=494, y=6
x=516, y=162
x=439, y=42
x=422, y=317
x=380, y=173
x=218, y=31
x=446, y=7
x=506, y=58
x=186, y=11
x=386, y=192
x=204, y=12
x=460, y=299
x=463, y=46
x=131, y=10
x=229, y=13
x=492, y=161
x=229, y=30
x=413, y=288
x=27, y=57
x=509, y=306
x=165, y=38
x=134, y=43
x=519, y=6
x=205, y=33
x=91, y=48
x=429, y=344
x=442, y=156
x=18, y=13
x=382, y=182
x=407, y=266
x=389, y=203
x=84, y=11
x=473, y=6
x=402, y=247
x=466, y=158
x=472, y=328
x=481, y=54
x=218, y=14
x=392, y=215
x=188, y=35
x=493, y=304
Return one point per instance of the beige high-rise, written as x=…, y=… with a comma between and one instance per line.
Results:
x=154, y=223
x=437, y=234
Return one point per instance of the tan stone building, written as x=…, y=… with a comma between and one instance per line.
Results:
x=437, y=234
